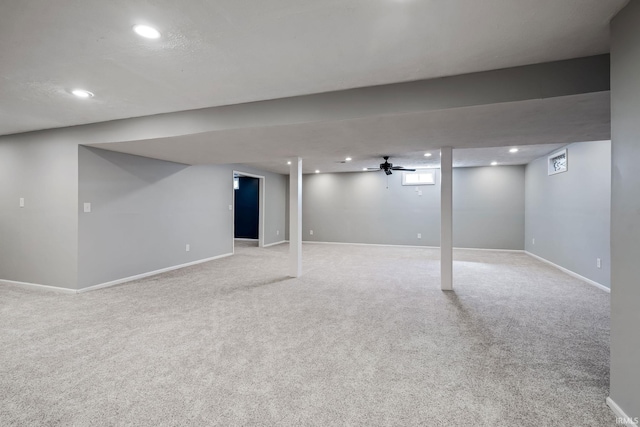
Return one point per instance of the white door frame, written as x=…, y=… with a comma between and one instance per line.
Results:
x=261, y=204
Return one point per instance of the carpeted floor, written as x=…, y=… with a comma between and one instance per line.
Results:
x=364, y=338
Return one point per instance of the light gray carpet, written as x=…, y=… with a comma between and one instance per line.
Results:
x=365, y=337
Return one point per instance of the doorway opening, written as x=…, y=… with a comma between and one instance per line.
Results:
x=248, y=209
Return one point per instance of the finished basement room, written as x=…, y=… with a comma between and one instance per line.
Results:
x=372, y=213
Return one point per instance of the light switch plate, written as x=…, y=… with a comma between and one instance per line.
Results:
x=22, y=202
x=87, y=207
x=230, y=207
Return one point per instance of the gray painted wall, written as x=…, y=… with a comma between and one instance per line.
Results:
x=145, y=212
x=39, y=243
x=625, y=210
x=359, y=208
x=488, y=207
x=568, y=214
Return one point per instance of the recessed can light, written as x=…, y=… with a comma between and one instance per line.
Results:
x=146, y=31
x=348, y=159
x=81, y=93
x=364, y=169
x=289, y=162
x=427, y=154
x=317, y=171
x=513, y=150
x=494, y=163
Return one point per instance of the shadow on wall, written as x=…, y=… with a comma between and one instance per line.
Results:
x=131, y=164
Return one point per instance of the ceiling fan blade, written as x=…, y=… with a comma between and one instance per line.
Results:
x=373, y=169
x=400, y=168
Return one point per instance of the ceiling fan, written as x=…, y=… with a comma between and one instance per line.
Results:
x=388, y=167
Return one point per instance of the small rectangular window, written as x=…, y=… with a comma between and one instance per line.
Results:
x=419, y=178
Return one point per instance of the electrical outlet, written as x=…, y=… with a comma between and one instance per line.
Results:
x=277, y=232
x=188, y=247
x=311, y=232
x=419, y=235
x=230, y=207
x=533, y=241
x=598, y=263
x=22, y=202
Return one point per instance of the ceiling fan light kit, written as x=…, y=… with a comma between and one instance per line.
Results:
x=388, y=167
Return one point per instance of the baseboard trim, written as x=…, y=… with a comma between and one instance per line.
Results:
x=313, y=242
x=150, y=273
x=38, y=286
x=515, y=251
x=411, y=246
x=619, y=413
x=569, y=272
x=275, y=243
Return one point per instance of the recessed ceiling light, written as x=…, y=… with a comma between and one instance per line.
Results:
x=348, y=159
x=513, y=150
x=317, y=171
x=427, y=154
x=364, y=169
x=146, y=31
x=494, y=163
x=289, y=162
x=81, y=93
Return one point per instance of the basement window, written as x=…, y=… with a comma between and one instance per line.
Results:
x=419, y=178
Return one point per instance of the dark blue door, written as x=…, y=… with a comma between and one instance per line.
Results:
x=246, y=209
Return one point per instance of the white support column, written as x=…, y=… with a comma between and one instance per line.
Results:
x=295, y=218
x=446, y=219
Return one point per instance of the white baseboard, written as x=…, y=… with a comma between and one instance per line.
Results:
x=569, y=272
x=515, y=251
x=38, y=286
x=114, y=282
x=625, y=420
x=150, y=273
x=275, y=243
x=313, y=242
x=411, y=246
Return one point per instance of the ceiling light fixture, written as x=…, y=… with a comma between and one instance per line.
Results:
x=364, y=169
x=427, y=154
x=494, y=163
x=146, y=31
x=317, y=171
x=513, y=150
x=289, y=162
x=348, y=159
x=81, y=93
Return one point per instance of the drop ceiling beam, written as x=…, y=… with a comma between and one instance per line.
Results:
x=539, y=81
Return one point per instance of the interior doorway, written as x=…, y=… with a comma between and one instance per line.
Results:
x=248, y=208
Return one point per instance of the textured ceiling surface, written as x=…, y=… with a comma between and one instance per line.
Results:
x=232, y=51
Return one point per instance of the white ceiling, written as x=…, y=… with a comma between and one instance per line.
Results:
x=232, y=51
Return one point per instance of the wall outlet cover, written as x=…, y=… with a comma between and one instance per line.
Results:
x=22, y=202
x=188, y=247
x=311, y=232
